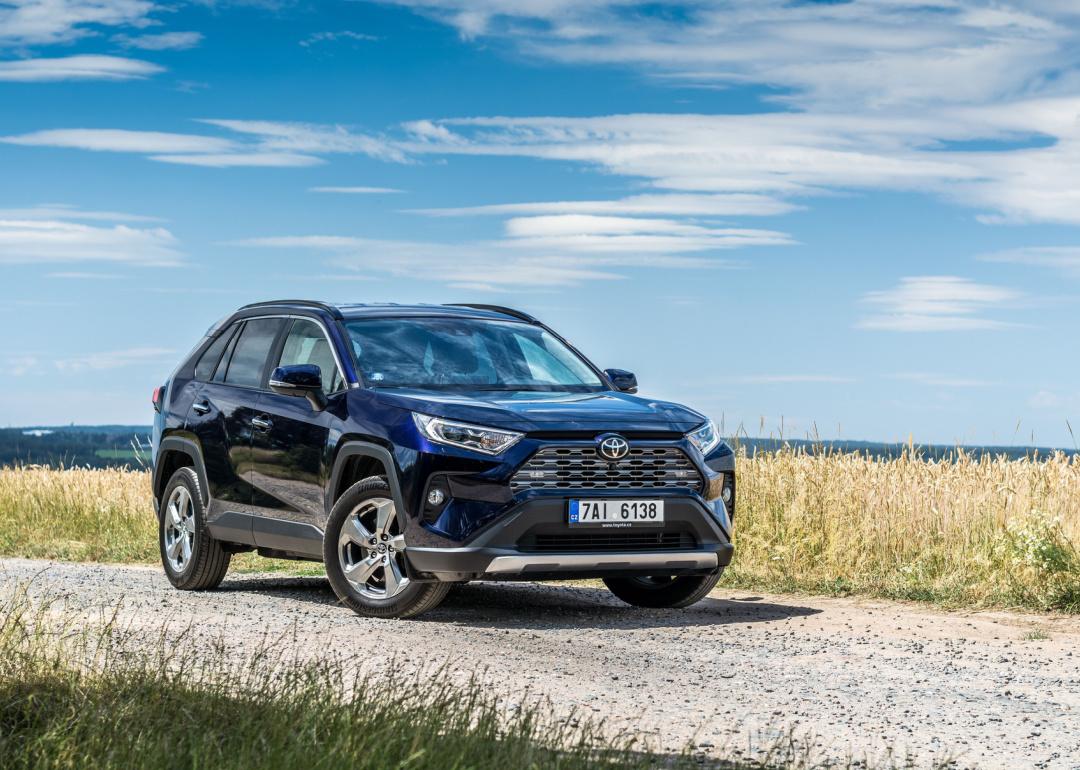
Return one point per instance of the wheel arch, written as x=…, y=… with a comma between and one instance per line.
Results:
x=176, y=452
x=357, y=460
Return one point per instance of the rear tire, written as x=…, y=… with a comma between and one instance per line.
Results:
x=662, y=591
x=364, y=554
x=193, y=560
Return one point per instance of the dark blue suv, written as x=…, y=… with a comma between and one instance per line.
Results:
x=408, y=448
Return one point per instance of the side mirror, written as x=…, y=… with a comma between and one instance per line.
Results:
x=301, y=380
x=624, y=381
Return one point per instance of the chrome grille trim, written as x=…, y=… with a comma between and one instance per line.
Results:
x=581, y=468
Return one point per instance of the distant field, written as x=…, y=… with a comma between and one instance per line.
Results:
x=987, y=532
x=117, y=446
x=98, y=446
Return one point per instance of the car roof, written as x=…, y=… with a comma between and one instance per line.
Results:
x=356, y=310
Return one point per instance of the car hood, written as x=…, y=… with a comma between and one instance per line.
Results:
x=535, y=411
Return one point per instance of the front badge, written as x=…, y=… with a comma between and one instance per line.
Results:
x=612, y=447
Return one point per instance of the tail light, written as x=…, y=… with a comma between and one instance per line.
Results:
x=155, y=399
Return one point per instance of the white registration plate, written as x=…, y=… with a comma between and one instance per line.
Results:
x=616, y=513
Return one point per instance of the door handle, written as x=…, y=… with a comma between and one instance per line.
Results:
x=201, y=407
x=261, y=423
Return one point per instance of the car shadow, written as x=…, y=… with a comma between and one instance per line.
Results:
x=511, y=605
x=547, y=605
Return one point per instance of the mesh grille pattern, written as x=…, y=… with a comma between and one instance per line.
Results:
x=582, y=468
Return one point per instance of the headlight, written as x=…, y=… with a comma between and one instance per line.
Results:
x=705, y=438
x=490, y=441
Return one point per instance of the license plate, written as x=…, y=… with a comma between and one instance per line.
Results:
x=616, y=513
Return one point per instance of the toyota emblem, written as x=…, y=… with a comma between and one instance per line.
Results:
x=613, y=447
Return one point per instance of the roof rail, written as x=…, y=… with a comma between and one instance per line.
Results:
x=497, y=309
x=298, y=303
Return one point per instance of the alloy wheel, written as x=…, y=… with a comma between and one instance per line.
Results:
x=179, y=528
x=371, y=550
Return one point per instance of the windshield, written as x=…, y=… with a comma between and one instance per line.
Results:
x=466, y=354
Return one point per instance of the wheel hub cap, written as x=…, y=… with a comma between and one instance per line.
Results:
x=179, y=529
x=371, y=550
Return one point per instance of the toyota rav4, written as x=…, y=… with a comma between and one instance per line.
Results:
x=409, y=448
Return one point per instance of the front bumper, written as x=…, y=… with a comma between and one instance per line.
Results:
x=534, y=542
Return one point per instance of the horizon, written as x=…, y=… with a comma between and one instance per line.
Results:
x=870, y=232
x=731, y=438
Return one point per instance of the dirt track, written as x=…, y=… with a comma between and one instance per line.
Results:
x=862, y=677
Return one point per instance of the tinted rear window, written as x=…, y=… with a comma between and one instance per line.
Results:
x=251, y=351
x=208, y=362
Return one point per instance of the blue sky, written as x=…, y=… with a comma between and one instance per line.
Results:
x=855, y=218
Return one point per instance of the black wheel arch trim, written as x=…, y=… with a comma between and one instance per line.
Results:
x=364, y=449
x=192, y=449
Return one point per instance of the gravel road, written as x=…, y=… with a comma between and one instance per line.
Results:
x=856, y=678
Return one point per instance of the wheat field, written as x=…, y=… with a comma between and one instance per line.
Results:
x=986, y=532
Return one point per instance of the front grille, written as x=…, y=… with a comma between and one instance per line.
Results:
x=613, y=541
x=579, y=468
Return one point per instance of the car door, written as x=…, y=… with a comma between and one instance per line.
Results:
x=222, y=415
x=290, y=466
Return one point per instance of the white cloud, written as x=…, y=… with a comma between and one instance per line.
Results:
x=42, y=22
x=588, y=233
x=880, y=94
x=355, y=190
x=672, y=204
x=65, y=211
x=1065, y=258
x=935, y=303
x=311, y=137
x=85, y=67
x=113, y=359
x=37, y=241
x=164, y=41
x=1054, y=400
x=891, y=53
x=17, y=366
x=237, y=159
x=331, y=37
x=483, y=265
x=121, y=140
x=260, y=143
x=940, y=380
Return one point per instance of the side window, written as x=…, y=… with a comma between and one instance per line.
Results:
x=208, y=362
x=251, y=352
x=306, y=344
x=223, y=364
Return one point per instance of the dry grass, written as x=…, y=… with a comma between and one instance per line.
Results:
x=84, y=514
x=973, y=533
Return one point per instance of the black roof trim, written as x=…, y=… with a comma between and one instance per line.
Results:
x=497, y=309
x=297, y=303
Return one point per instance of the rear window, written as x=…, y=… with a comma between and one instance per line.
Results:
x=252, y=350
x=208, y=361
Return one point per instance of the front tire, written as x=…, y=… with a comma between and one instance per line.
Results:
x=193, y=560
x=663, y=591
x=364, y=554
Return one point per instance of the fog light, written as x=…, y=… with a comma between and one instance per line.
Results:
x=726, y=494
x=436, y=497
